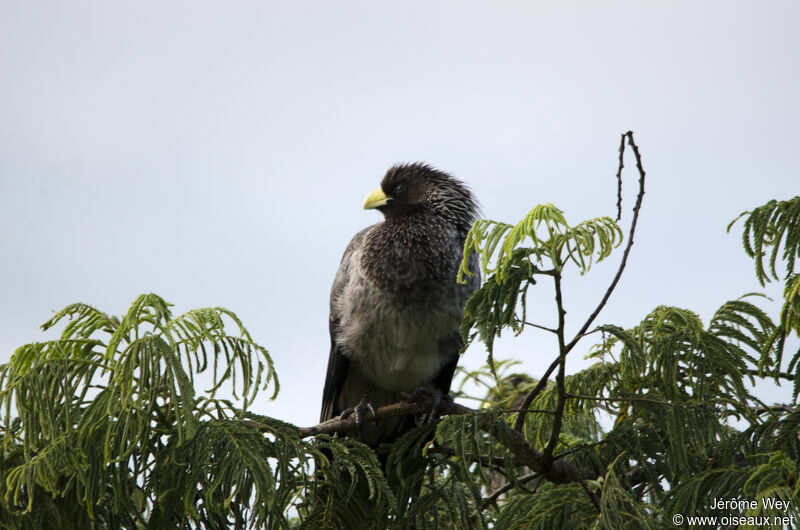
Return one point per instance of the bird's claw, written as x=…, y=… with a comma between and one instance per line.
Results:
x=359, y=412
x=439, y=402
x=420, y=394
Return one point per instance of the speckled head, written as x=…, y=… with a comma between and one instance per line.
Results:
x=418, y=187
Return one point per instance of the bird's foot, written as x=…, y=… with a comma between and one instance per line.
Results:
x=422, y=394
x=360, y=412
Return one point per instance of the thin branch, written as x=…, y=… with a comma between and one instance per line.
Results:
x=636, y=207
x=559, y=472
x=551, y=330
x=520, y=423
x=562, y=362
x=595, y=330
x=619, y=177
x=402, y=408
x=780, y=375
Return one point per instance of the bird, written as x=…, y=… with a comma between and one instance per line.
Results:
x=395, y=304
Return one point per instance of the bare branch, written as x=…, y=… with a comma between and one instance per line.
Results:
x=551, y=330
x=636, y=207
x=402, y=408
x=619, y=177
x=533, y=393
x=562, y=362
x=558, y=472
x=543, y=381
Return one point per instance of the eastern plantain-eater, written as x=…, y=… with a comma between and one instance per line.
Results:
x=395, y=305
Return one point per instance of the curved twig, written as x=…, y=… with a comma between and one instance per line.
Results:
x=520, y=423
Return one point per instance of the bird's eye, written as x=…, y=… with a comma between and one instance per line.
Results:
x=400, y=188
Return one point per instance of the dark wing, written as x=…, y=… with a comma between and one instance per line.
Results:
x=338, y=365
x=450, y=347
x=338, y=362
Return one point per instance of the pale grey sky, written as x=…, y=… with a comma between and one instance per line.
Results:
x=217, y=153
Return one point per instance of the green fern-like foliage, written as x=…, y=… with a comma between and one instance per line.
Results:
x=553, y=241
x=673, y=388
x=685, y=429
x=768, y=229
x=773, y=230
x=103, y=427
x=501, y=301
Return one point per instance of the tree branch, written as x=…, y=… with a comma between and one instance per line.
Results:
x=401, y=408
x=551, y=330
x=636, y=207
x=619, y=177
x=558, y=472
x=780, y=375
x=520, y=423
x=562, y=362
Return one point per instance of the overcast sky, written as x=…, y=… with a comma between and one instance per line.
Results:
x=218, y=153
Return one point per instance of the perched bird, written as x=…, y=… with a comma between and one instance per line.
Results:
x=395, y=305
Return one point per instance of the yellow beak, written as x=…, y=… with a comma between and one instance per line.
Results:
x=375, y=198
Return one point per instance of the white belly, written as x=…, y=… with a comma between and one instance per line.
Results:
x=395, y=346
